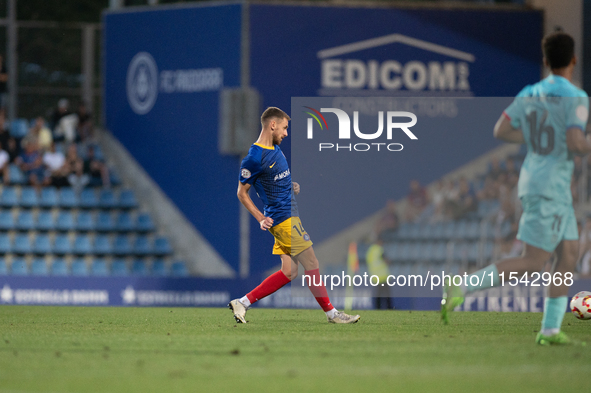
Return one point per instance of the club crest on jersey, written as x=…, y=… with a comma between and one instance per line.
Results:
x=281, y=175
x=245, y=173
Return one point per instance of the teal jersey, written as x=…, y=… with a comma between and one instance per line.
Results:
x=543, y=112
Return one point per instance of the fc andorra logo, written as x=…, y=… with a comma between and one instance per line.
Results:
x=142, y=83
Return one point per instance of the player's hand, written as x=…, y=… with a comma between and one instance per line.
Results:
x=296, y=188
x=266, y=223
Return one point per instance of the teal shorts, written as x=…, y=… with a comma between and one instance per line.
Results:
x=545, y=223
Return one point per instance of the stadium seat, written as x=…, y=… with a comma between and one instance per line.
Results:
x=121, y=246
x=473, y=230
x=144, y=223
x=415, y=251
x=114, y=177
x=159, y=268
x=48, y=197
x=41, y=244
x=22, y=244
x=3, y=267
x=107, y=200
x=88, y=199
x=19, y=128
x=162, y=246
x=104, y=222
x=99, y=268
x=127, y=200
x=438, y=232
x=59, y=267
x=404, y=231
x=61, y=245
x=489, y=248
x=45, y=221
x=449, y=230
x=79, y=267
x=124, y=222
x=9, y=198
x=65, y=221
x=179, y=269
x=391, y=251
x=29, y=198
x=82, y=245
x=142, y=246
x=5, y=246
x=415, y=231
x=6, y=221
x=19, y=267
x=16, y=175
x=102, y=245
x=139, y=268
x=25, y=221
x=84, y=222
x=119, y=268
x=67, y=198
x=474, y=252
x=404, y=252
x=39, y=267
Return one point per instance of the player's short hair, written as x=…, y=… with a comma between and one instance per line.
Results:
x=558, y=49
x=273, y=112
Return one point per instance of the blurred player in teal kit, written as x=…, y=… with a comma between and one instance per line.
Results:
x=550, y=118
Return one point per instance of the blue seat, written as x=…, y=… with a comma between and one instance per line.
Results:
x=19, y=267
x=107, y=200
x=9, y=197
x=42, y=244
x=19, y=128
x=59, y=267
x=65, y=222
x=39, y=267
x=425, y=252
x=88, y=199
x=114, y=176
x=68, y=198
x=162, y=246
x=127, y=200
x=121, y=246
x=29, y=198
x=82, y=245
x=460, y=253
x=179, y=269
x=79, y=267
x=102, y=245
x=22, y=244
x=124, y=223
x=119, y=268
x=473, y=230
x=159, y=268
x=144, y=223
x=3, y=267
x=5, y=246
x=48, y=197
x=84, y=222
x=142, y=246
x=6, y=221
x=25, y=221
x=16, y=175
x=45, y=221
x=449, y=229
x=61, y=245
x=474, y=252
x=104, y=222
x=99, y=268
x=139, y=268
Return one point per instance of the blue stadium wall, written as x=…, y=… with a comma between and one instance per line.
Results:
x=175, y=140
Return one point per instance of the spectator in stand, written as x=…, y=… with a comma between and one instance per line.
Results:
x=417, y=200
x=57, y=170
x=12, y=149
x=4, y=166
x=85, y=124
x=31, y=163
x=40, y=134
x=95, y=168
x=584, y=265
x=4, y=134
x=510, y=167
x=389, y=221
x=3, y=82
x=61, y=111
x=65, y=123
x=76, y=177
x=495, y=169
x=490, y=190
x=465, y=203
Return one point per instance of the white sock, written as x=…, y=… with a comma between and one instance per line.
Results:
x=550, y=332
x=245, y=302
x=331, y=313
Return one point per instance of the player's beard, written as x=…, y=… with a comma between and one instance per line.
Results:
x=276, y=140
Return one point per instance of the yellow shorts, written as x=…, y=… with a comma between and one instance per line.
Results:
x=290, y=237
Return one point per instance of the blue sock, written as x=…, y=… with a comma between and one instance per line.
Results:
x=471, y=284
x=554, y=310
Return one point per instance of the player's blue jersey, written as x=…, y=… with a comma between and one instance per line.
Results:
x=543, y=112
x=266, y=169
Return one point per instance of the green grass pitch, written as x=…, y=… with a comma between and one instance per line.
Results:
x=68, y=349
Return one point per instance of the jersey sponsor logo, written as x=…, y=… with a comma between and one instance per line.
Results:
x=282, y=175
x=245, y=173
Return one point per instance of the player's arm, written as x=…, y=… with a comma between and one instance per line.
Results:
x=265, y=222
x=506, y=132
x=576, y=141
